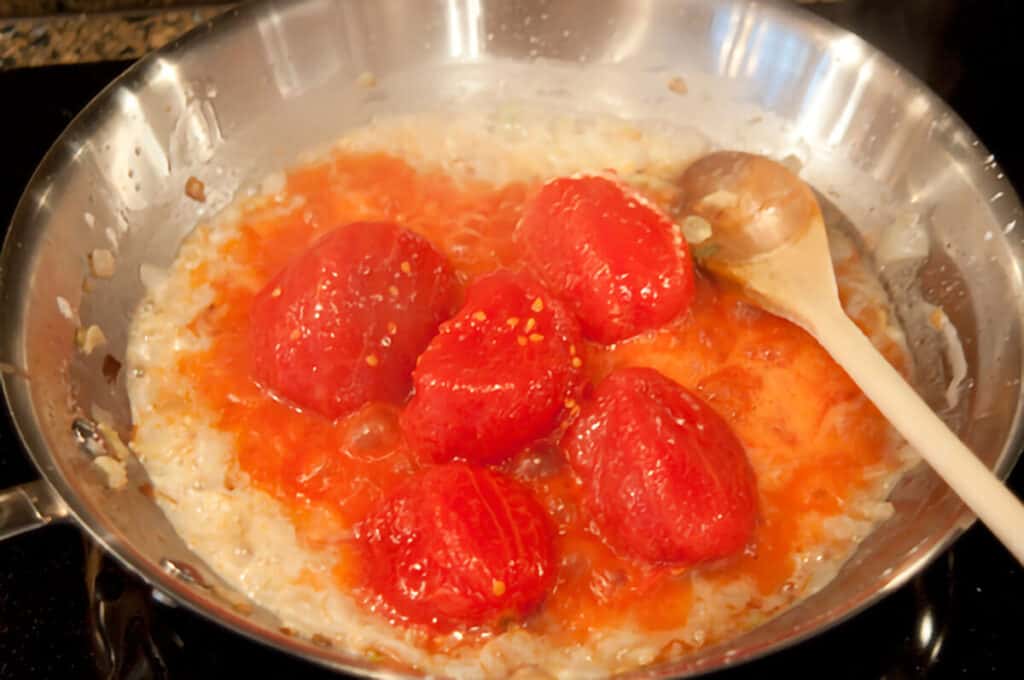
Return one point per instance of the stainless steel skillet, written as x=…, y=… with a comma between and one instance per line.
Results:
x=253, y=90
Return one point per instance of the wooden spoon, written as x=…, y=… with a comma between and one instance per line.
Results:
x=768, y=235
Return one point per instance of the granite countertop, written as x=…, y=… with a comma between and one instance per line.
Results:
x=44, y=32
x=94, y=36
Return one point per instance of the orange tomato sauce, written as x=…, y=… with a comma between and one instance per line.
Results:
x=808, y=431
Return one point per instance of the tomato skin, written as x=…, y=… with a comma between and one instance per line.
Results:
x=666, y=479
x=500, y=374
x=342, y=324
x=620, y=263
x=458, y=546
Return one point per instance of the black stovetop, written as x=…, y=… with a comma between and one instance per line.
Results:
x=66, y=611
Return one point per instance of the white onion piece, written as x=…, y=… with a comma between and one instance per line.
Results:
x=696, y=229
x=65, y=308
x=117, y=475
x=152, y=277
x=954, y=355
x=904, y=239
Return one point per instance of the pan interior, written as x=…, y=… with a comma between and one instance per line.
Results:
x=270, y=83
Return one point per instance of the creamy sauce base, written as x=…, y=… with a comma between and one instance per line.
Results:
x=268, y=495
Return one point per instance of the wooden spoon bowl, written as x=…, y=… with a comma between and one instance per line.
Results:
x=768, y=235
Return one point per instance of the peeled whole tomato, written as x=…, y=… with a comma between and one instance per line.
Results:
x=344, y=322
x=458, y=546
x=665, y=478
x=618, y=262
x=500, y=374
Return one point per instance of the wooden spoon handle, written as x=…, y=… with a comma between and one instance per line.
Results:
x=983, y=493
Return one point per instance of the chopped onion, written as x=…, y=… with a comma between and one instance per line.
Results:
x=101, y=263
x=904, y=239
x=954, y=354
x=152, y=277
x=678, y=85
x=65, y=309
x=721, y=200
x=117, y=475
x=696, y=229
x=90, y=338
x=792, y=163
x=113, y=440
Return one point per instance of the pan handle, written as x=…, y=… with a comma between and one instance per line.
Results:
x=29, y=506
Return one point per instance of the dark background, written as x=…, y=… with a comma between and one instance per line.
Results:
x=30, y=8
x=68, y=612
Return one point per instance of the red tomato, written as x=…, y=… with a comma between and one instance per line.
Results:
x=458, y=546
x=343, y=323
x=620, y=263
x=498, y=375
x=666, y=479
